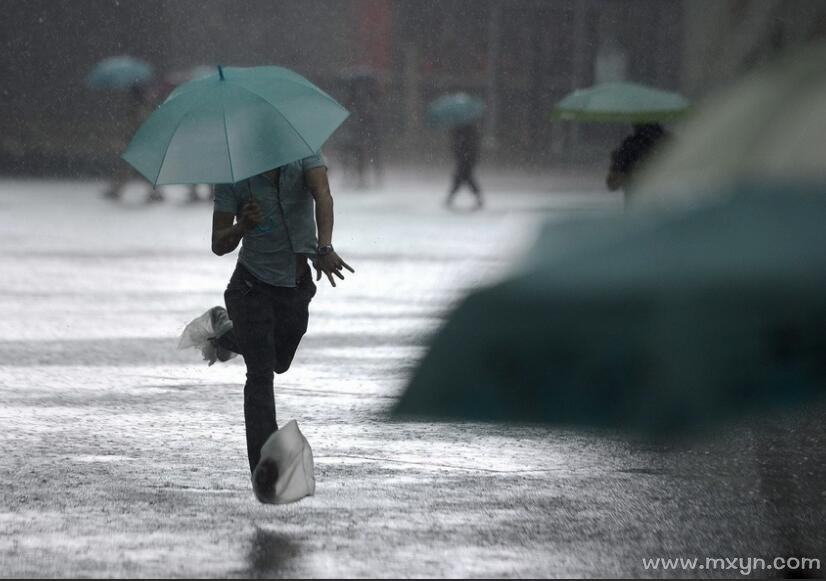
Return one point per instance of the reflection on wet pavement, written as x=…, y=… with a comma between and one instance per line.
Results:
x=125, y=457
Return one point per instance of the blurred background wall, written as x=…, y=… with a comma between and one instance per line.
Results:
x=520, y=55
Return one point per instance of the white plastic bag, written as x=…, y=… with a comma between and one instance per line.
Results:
x=197, y=332
x=292, y=454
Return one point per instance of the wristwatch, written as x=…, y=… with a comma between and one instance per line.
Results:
x=324, y=250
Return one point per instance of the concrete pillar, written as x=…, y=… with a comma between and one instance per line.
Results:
x=581, y=63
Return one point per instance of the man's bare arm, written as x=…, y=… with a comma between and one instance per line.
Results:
x=329, y=264
x=320, y=189
x=227, y=234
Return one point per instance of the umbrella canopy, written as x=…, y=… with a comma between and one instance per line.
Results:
x=119, y=73
x=233, y=124
x=654, y=324
x=621, y=103
x=768, y=125
x=454, y=109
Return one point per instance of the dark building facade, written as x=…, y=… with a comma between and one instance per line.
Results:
x=521, y=56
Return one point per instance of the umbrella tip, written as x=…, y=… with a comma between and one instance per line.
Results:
x=221, y=72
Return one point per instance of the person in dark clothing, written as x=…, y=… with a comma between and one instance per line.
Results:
x=281, y=218
x=364, y=144
x=466, y=147
x=142, y=101
x=632, y=154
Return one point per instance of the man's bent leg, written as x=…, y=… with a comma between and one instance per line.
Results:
x=291, y=316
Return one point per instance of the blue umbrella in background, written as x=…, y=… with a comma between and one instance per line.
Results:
x=454, y=109
x=119, y=73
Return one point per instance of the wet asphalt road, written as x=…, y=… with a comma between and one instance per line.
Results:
x=122, y=456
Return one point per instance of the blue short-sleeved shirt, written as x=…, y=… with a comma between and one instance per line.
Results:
x=269, y=251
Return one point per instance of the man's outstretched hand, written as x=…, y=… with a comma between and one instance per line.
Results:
x=330, y=264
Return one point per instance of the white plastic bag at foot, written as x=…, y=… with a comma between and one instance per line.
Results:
x=292, y=454
x=197, y=331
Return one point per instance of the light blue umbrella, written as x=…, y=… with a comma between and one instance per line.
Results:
x=454, y=109
x=233, y=124
x=621, y=102
x=119, y=73
x=653, y=324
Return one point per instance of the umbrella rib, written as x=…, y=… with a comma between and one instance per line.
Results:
x=226, y=140
x=275, y=108
x=304, y=83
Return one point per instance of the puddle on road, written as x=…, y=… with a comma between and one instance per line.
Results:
x=101, y=458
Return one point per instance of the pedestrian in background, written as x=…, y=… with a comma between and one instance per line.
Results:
x=141, y=105
x=632, y=154
x=466, y=144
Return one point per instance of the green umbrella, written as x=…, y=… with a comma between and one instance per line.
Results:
x=621, y=103
x=119, y=73
x=454, y=109
x=234, y=124
x=654, y=324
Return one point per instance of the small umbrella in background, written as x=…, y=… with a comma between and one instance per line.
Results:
x=454, y=109
x=653, y=323
x=621, y=102
x=233, y=124
x=771, y=125
x=119, y=73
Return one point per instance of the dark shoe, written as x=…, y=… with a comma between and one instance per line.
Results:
x=264, y=478
x=214, y=352
x=220, y=321
x=221, y=324
x=154, y=196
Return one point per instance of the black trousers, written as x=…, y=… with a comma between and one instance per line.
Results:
x=464, y=175
x=268, y=324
